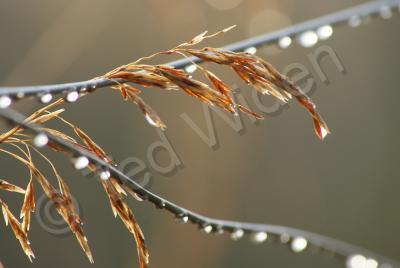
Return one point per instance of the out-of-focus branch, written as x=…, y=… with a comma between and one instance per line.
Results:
x=333, y=19
x=297, y=240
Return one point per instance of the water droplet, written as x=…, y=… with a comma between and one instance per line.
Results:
x=5, y=101
x=386, y=12
x=356, y=261
x=40, y=140
x=182, y=218
x=324, y=32
x=72, y=96
x=20, y=95
x=237, y=234
x=46, y=98
x=371, y=263
x=259, y=237
x=191, y=68
x=81, y=162
x=285, y=42
x=251, y=50
x=207, y=229
x=105, y=175
x=284, y=238
x=298, y=244
x=355, y=21
x=308, y=39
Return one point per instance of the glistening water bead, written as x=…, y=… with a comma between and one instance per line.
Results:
x=298, y=244
x=20, y=95
x=182, y=219
x=191, y=68
x=105, y=175
x=285, y=42
x=40, y=140
x=237, y=234
x=81, y=162
x=324, y=32
x=5, y=101
x=359, y=261
x=207, y=229
x=259, y=237
x=308, y=39
x=46, y=98
x=251, y=50
x=72, y=96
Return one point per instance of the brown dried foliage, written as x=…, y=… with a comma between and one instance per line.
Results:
x=251, y=69
x=61, y=197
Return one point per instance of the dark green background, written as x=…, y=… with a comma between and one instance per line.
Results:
x=274, y=172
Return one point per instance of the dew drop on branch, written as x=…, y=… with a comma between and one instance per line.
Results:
x=81, y=162
x=105, y=175
x=324, y=32
x=259, y=237
x=5, y=101
x=308, y=39
x=40, y=140
x=191, y=68
x=298, y=244
x=72, y=96
x=285, y=42
x=182, y=219
x=251, y=50
x=207, y=229
x=237, y=234
x=46, y=98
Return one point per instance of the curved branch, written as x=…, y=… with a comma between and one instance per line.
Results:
x=285, y=235
x=333, y=19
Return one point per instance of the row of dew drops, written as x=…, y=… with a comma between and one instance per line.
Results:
x=306, y=39
x=297, y=244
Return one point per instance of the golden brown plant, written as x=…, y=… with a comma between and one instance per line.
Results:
x=251, y=69
x=61, y=197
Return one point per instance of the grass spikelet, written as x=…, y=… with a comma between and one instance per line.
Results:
x=4, y=185
x=19, y=233
x=120, y=207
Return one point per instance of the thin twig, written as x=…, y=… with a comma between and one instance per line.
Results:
x=333, y=19
x=285, y=235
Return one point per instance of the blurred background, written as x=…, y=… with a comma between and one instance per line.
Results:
x=275, y=171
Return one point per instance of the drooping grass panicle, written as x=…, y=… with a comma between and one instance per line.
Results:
x=253, y=70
